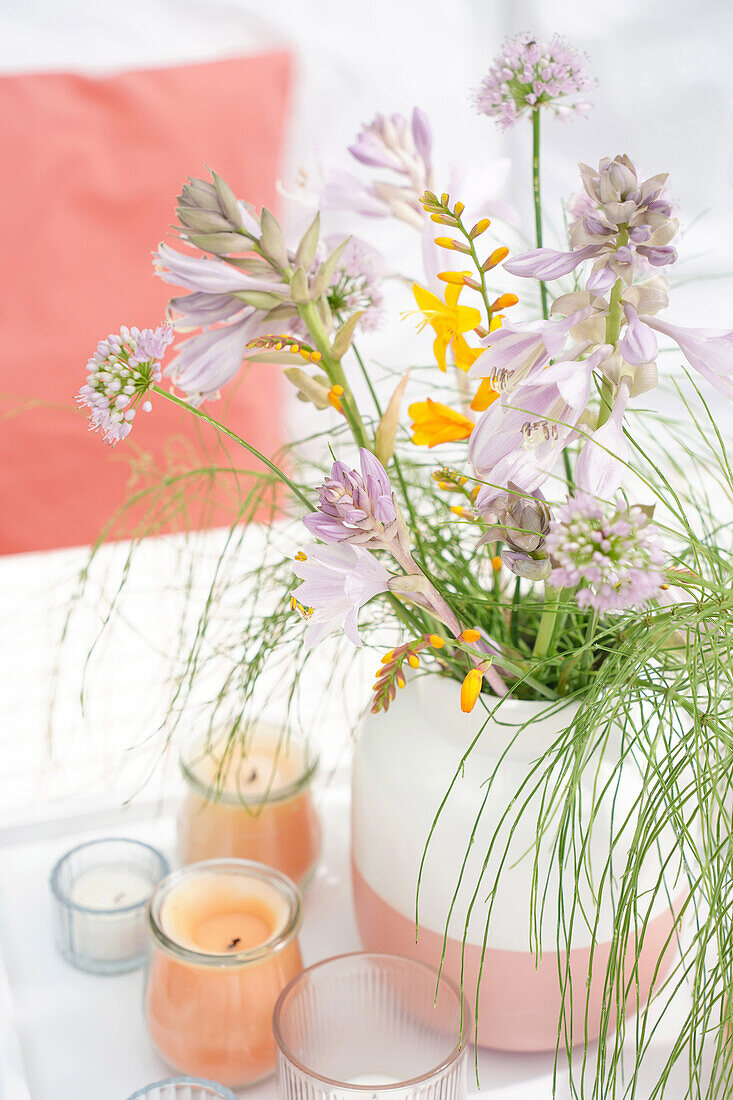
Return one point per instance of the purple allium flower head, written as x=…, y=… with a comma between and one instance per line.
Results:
x=119, y=375
x=613, y=556
x=356, y=507
x=528, y=75
x=337, y=582
x=357, y=284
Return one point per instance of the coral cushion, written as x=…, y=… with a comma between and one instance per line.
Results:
x=91, y=171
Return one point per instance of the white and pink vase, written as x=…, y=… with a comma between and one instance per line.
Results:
x=403, y=765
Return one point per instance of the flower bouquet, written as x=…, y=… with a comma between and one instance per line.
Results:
x=549, y=551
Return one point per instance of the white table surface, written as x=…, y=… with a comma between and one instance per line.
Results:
x=67, y=1035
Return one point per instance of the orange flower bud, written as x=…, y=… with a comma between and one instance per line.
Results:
x=504, y=301
x=496, y=563
x=471, y=635
x=471, y=689
x=495, y=258
x=436, y=641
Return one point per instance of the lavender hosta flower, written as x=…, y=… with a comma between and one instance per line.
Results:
x=601, y=462
x=205, y=363
x=337, y=582
x=119, y=375
x=613, y=557
x=358, y=507
x=528, y=75
x=521, y=520
x=514, y=352
x=392, y=144
x=625, y=225
x=709, y=351
x=520, y=436
x=213, y=219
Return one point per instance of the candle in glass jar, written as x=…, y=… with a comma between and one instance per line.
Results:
x=101, y=891
x=224, y=946
x=250, y=799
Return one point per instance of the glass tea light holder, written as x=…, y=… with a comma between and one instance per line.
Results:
x=249, y=797
x=368, y=1025
x=223, y=947
x=100, y=891
x=184, y=1088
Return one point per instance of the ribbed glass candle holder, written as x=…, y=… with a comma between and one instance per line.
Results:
x=184, y=1088
x=371, y=1025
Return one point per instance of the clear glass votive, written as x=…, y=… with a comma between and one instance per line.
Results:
x=249, y=797
x=184, y=1088
x=101, y=890
x=224, y=946
x=371, y=1024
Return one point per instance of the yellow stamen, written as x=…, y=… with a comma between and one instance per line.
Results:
x=295, y=349
x=300, y=556
x=436, y=641
x=315, y=356
x=471, y=635
x=471, y=689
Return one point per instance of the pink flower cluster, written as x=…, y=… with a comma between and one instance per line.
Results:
x=616, y=558
x=527, y=75
x=119, y=375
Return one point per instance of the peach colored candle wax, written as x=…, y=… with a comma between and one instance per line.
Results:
x=250, y=800
x=224, y=946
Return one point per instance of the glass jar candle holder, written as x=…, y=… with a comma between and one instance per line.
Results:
x=224, y=945
x=100, y=891
x=250, y=798
x=371, y=1025
x=184, y=1088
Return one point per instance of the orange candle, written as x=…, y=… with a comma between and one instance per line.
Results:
x=250, y=799
x=224, y=946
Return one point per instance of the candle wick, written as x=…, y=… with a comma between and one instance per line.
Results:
x=233, y=944
x=252, y=778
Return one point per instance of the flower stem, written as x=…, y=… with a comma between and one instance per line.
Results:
x=613, y=330
x=309, y=315
x=536, y=197
x=222, y=428
x=546, y=632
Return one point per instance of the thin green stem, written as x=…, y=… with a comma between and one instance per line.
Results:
x=514, y=625
x=223, y=430
x=536, y=197
x=478, y=265
x=613, y=330
x=546, y=630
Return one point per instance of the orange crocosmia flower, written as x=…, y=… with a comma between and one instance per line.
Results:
x=485, y=395
x=435, y=423
x=449, y=320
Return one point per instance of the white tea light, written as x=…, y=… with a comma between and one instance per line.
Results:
x=101, y=891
